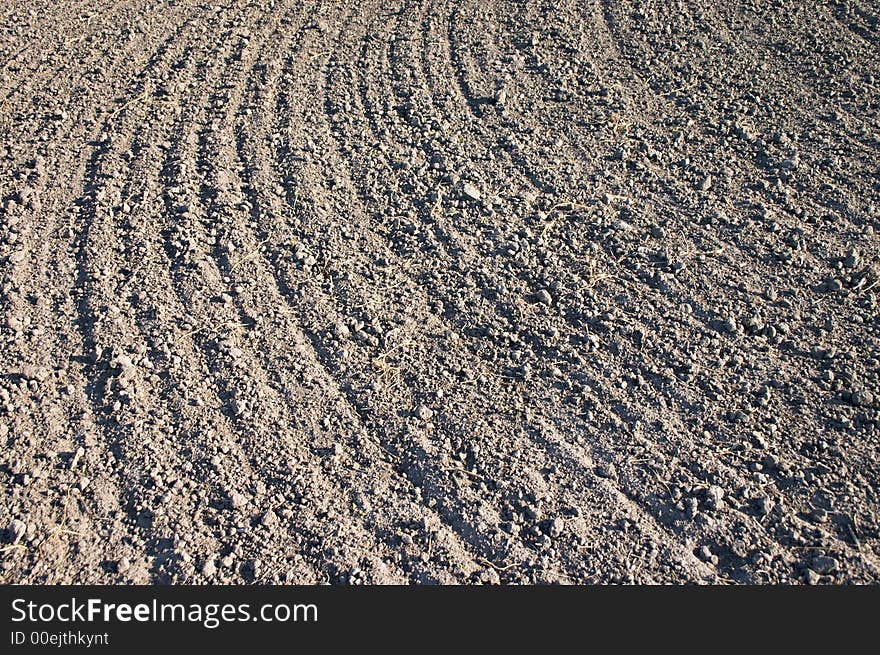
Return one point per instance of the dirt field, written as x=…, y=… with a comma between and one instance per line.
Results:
x=465, y=291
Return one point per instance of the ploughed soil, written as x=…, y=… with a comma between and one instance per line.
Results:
x=440, y=291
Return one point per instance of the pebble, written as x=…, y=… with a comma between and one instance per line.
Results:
x=764, y=505
x=17, y=528
x=270, y=519
x=606, y=471
x=77, y=456
x=237, y=500
x=423, y=413
x=824, y=565
x=471, y=192
x=544, y=297
x=862, y=398
x=38, y=373
x=714, y=497
x=705, y=183
x=209, y=568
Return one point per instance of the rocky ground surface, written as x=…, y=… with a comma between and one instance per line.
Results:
x=440, y=291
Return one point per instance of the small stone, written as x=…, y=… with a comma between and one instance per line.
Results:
x=764, y=505
x=811, y=577
x=17, y=257
x=16, y=529
x=209, y=568
x=269, y=519
x=606, y=471
x=431, y=524
x=714, y=497
x=862, y=398
x=84, y=482
x=824, y=564
x=544, y=297
x=237, y=500
x=705, y=183
x=471, y=192
x=250, y=568
x=38, y=373
x=423, y=413
x=123, y=565
x=77, y=456
x=556, y=527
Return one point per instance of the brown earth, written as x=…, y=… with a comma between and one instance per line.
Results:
x=445, y=291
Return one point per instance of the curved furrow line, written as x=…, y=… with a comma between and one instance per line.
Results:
x=262, y=474
x=202, y=164
x=484, y=259
x=439, y=291
x=201, y=495
x=122, y=387
x=316, y=330
x=102, y=502
x=36, y=222
x=40, y=181
x=396, y=39
x=268, y=202
x=304, y=442
x=448, y=546
x=325, y=352
x=478, y=102
x=580, y=455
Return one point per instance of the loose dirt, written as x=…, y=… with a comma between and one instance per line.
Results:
x=464, y=291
